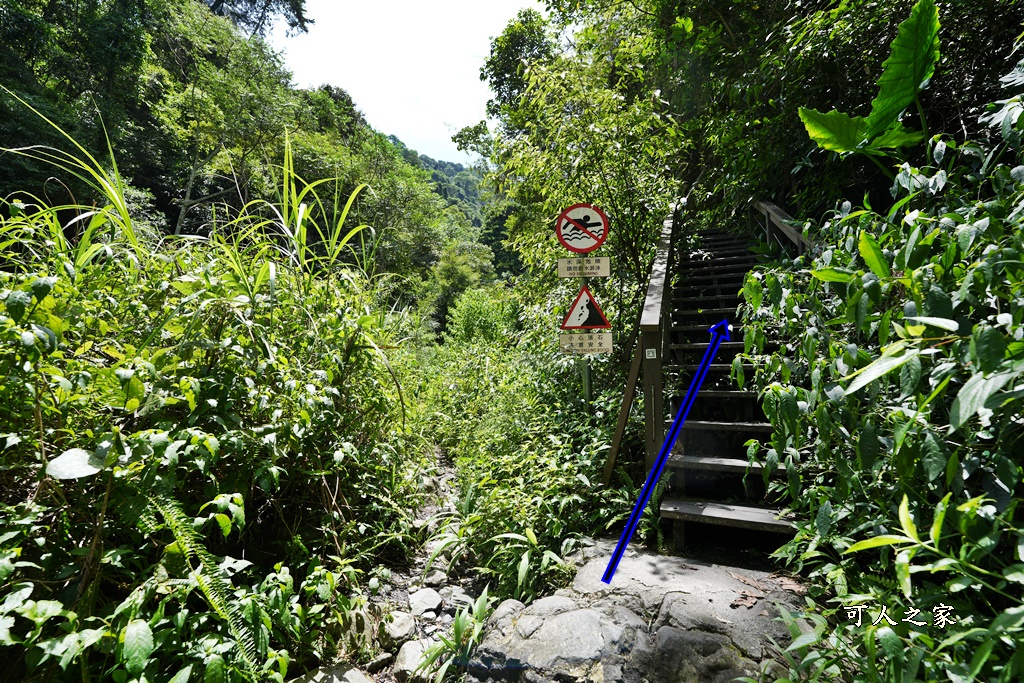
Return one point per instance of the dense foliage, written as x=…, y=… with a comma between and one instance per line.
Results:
x=198, y=447
x=223, y=375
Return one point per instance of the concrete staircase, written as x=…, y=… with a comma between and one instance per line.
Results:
x=712, y=481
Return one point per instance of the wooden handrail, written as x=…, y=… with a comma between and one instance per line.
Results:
x=650, y=319
x=783, y=222
x=648, y=356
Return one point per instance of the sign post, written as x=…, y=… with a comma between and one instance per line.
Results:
x=583, y=228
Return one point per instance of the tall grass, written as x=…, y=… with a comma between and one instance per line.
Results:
x=234, y=384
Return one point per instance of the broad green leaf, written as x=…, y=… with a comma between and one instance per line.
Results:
x=981, y=655
x=524, y=567
x=1011, y=618
x=882, y=366
x=215, y=670
x=911, y=63
x=973, y=395
x=944, y=323
x=932, y=457
x=906, y=521
x=1015, y=573
x=989, y=346
x=903, y=571
x=834, y=131
x=138, y=645
x=41, y=286
x=803, y=640
x=910, y=376
x=182, y=676
x=823, y=521
x=894, y=137
x=753, y=291
x=74, y=463
x=877, y=541
x=833, y=275
x=16, y=302
x=873, y=256
x=867, y=446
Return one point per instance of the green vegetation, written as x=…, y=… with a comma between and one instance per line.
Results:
x=236, y=330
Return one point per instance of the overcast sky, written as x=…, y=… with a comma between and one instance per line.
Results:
x=412, y=66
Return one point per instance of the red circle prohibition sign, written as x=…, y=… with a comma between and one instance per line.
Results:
x=582, y=228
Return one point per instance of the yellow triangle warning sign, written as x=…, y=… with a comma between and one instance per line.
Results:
x=585, y=314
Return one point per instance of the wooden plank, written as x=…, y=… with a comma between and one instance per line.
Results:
x=650, y=319
x=713, y=464
x=620, y=426
x=723, y=514
x=725, y=346
x=717, y=464
x=726, y=426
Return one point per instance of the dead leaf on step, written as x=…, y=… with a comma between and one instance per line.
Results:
x=763, y=613
x=724, y=621
x=747, y=599
x=788, y=584
x=747, y=580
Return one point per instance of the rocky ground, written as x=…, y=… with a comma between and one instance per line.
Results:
x=663, y=619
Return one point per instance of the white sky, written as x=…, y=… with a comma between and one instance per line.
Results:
x=412, y=66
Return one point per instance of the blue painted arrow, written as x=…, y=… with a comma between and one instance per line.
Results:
x=719, y=333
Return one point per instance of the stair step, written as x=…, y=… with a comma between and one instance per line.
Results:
x=726, y=395
x=725, y=290
x=723, y=514
x=684, y=313
x=729, y=345
x=716, y=464
x=715, y=368
x=717, y=275
x=723, y=260
x=721, y=250
x=703, y=299
x=705, y=329
x=706, y=425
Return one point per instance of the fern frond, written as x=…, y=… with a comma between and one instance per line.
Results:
x=208, y=577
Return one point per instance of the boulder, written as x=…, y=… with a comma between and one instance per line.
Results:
x=408, y=660
x=662, y=620
x=401, y=628
x=424, y=600
x=435, y=578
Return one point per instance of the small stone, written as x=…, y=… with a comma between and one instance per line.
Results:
x=379, y=662
x=408, y=660
x=428, y=616
x=435, y=578
x=400, y=629
x=424, y=600
x=345, y=673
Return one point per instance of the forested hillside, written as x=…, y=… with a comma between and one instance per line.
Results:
x=242, y=332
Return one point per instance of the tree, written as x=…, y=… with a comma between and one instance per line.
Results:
x=523, y=44
x=256, y=16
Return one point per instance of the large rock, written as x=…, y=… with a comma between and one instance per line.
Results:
x=661, y=620
x=401, y=628
x=424, y=600
x=408, y=661
x=345, y=673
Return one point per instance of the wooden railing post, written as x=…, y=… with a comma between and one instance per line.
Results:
x=653, y=325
